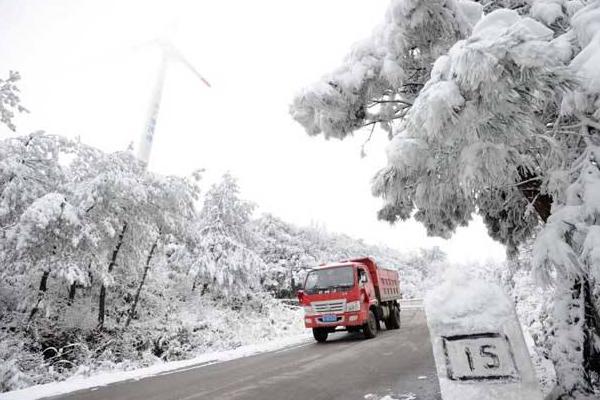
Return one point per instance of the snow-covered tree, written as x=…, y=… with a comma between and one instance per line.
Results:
x=286, y=252
x=49, y=239
x=172, y=199
x=9, y=99
x=111, y=191
x=129, y=211
x=31, y=178
x=29, y=168
x=226, y=263
x=566, y=255
x=566, y=251
x=123, y=214
x=476, y=137
x=380, y=78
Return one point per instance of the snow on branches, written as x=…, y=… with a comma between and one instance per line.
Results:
x=29, y=168
x=227, y=265
x=49, y=234
x=480, y=124
x=9, y=99
x=380, y=77
x=586, y=37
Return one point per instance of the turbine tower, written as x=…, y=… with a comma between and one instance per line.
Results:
x=168, y=53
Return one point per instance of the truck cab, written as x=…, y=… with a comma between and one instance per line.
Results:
x=350, y=295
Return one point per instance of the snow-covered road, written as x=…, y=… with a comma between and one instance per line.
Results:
x=397, y=364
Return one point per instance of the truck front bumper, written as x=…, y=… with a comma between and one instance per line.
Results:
x=342, y=319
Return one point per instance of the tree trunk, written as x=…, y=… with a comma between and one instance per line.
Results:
x=581, y=288
x=591, y=356
x=72, y=291
x=41, y=292
x=568, y=352
x=139, y=289
x=204, y=289
x=111, y=265
x=74, y=286
x=44, y=282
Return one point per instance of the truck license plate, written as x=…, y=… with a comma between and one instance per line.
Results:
x=329, y=318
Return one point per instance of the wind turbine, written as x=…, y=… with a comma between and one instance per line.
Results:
x=168, y=53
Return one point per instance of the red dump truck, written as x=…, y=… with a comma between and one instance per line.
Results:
x=350, y=295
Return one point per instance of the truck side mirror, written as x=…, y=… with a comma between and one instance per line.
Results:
x=300, y=295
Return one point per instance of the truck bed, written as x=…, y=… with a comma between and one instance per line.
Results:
x=386, y=281
x=389, y=284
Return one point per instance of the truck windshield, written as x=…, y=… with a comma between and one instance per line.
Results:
x=329, y=278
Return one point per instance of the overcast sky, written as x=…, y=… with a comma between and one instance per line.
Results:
x=88, y=70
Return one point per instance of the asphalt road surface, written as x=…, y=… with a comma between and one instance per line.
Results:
x=398, y=363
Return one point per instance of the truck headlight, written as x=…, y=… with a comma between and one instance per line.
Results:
x=353, y=306
x=308, y=310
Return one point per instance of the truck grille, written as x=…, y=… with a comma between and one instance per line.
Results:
x=325, y=307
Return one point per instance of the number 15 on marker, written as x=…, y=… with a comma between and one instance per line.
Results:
x=482, y=356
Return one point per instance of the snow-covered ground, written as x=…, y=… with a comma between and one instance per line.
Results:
x=81, y=382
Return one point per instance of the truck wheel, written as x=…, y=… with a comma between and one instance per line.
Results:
x=320, y=334
x=370, y=328
x=393, y=322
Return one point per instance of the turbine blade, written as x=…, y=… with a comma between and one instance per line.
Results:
x=177, y=54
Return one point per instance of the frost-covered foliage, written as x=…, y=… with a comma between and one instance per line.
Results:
x=503, y=124
x=484, y=131
x=75, y=220
x=382, y=75
x=29, y=168
x=478, y=131
x=9, y=99
x=226, y=259
x=566, y=255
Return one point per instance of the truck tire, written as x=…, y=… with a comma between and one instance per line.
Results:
x=320, y=334
x=370, y=328
x=393, y=322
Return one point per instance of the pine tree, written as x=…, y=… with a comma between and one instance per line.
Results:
x=227, y=265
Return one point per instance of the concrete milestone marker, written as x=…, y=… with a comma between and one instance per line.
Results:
x=478, y=344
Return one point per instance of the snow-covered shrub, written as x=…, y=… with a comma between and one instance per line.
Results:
x=13, y=357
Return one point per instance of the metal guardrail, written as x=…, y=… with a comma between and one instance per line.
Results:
x=411, y=304
x=405, y=304
x=290, y=302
